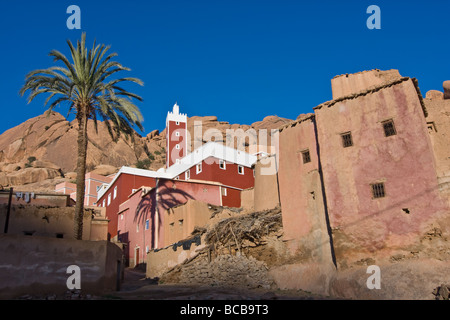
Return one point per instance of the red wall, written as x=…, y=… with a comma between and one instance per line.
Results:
x=173, y=140
x=230, y=176
x=125, y=184
x=138, y=209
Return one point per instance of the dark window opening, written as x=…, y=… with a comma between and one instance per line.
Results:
x=378, y=190
x=306, y=156
x=60, y=235
x=389, y=128
x=347, y=139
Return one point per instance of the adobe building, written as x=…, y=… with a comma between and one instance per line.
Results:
x=211, y=163
x=93, y=182
x=365, y=178
x=49, y=215
x=152, y=218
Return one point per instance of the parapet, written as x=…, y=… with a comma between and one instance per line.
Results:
x=347, y=84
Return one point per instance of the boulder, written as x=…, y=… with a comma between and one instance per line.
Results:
x=153, y=134
x=45, y=164
x=434, y=95
x=104, y=170
x=28, y=175
x=446, y=86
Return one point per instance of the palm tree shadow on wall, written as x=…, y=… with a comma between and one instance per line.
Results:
x=168, y=197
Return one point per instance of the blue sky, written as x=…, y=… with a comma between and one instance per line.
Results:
x=238, y=60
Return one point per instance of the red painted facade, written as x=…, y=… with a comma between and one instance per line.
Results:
x=141, y=217
x=226, y=173
x=125, y=184
x=176, y=135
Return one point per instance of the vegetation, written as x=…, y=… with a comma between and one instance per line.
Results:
x=87, y=87
x=143, y=164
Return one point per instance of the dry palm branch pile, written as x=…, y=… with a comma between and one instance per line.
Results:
x=252, y=227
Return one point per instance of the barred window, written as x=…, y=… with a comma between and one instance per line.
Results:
x=347, y=139
x=389, y=128
x=306, y=156
x=378, y=190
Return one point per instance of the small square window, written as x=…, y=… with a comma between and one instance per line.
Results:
x=224, y=192
x=222, y=165
x=240, y=169
x=378, y=190
x=347, y=139
x=59, y=235
x=177, y=147
x=389, y=128
x=306, y=156
x=177, y=134
x=178, y=122
x=199, y=168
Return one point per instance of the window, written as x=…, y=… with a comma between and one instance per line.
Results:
x=177, y=134
x=121, y=216
x=115, y=192
x=389, y=128
x=347, y=139
x=178, y=122
x=177, y=147
x=147, y=224
x=59, y=235
x=109, y=199
x=104, y=203
x=180, y=222
x=187, y=175
x=224, y=192
x=222, y=165
x=240, y=169
x=378, y=190
x=306, y=156
x=137, y=227
x=199, y=168
x=176, y=178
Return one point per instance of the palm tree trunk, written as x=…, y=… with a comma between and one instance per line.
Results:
x=81, y=172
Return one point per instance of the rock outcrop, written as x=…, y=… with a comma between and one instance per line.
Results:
x=45, y=148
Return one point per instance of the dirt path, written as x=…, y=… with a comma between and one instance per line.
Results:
x=137, y=287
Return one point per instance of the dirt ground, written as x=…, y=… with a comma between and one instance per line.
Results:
x=136, y=287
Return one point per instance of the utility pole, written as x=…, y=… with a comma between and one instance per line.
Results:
x=8, y=212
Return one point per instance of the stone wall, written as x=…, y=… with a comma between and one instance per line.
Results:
x=53, y=221
x=161, y=261
x=266, y=184
x=228, y=270
x=38, y=265
x=346, y=84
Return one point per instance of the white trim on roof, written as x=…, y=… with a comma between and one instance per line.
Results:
x=207, y=150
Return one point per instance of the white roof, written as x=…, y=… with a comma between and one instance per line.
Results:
x=207, y=150
x=211, y=149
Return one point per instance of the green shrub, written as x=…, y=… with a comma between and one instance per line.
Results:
x=143, y=164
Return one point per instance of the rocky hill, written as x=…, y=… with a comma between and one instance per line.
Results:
x=42, y=151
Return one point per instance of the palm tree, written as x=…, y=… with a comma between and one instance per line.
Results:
x=86, y=86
